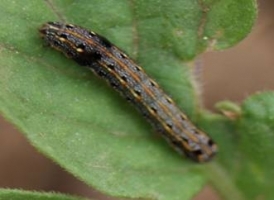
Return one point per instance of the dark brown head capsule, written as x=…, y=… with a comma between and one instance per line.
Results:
x=74, y=41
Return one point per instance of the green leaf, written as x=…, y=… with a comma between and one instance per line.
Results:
x=256, y=133
x=77, y=120
x=8, y=194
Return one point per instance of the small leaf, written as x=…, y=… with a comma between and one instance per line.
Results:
x=256, y=136
x=229, y=109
